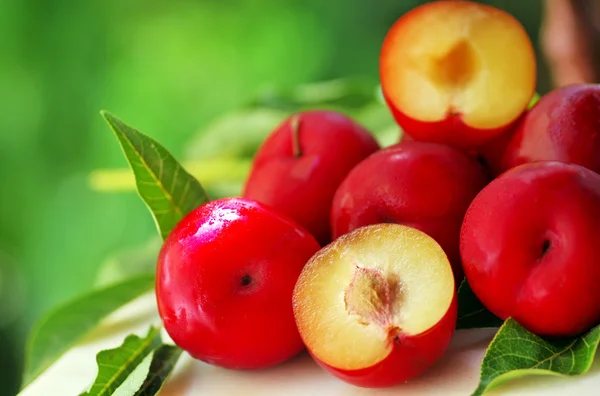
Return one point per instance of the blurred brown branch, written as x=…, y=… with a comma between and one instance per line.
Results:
x=570, y=38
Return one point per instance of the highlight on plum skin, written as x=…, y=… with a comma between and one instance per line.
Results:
x=232, y=264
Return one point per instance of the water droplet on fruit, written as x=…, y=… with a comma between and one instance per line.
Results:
x=218, y=219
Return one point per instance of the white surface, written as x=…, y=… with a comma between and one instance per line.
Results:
x=456, y=374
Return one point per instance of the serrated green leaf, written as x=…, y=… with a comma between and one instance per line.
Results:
x=63, y=327
x=515, y=352
x=168, y=190
x=163, y=361
x=471, y=312
x=115, y=365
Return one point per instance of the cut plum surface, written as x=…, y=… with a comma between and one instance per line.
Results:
x=370, y=289
x=458, y=58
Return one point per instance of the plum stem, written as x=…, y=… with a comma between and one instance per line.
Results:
x=295, y=125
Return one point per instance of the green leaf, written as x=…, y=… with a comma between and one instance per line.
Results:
x=515, y=352
x=471, y=312
x=163, y=362
x=536, y=97
x=377, y=118
x=130, y=262
x=225, y=189
x=168, y=190
x=379, y=94
x=236, y=135
x=212, y=171
x=347, y=93
x=63, y=327
x=115, y=365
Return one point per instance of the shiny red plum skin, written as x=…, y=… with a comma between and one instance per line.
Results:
x=529, y=245
x=302, y=186
x=224, y=284
x=563, y=126
x=409, y=358
x=427, y=186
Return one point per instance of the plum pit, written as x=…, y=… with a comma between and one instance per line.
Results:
x=374, y=299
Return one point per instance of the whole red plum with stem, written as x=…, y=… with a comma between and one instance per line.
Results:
x=302, y=162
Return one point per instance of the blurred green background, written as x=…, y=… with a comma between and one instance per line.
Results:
x=169, y=68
